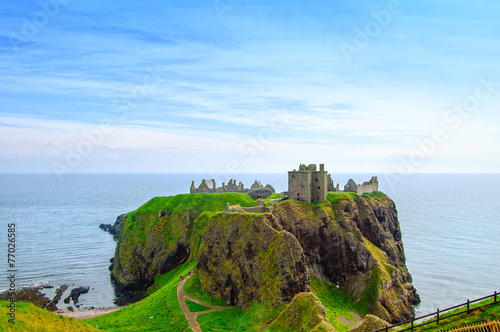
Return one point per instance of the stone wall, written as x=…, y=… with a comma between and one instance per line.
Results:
x=368, y=187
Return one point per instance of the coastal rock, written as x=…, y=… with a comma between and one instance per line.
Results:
x=349, y=240
x=370, y=323
x=52, y=306
x=115, y=228
x=32, y=295
x=356, y=244
x=75, y=294
x=305, y=313
x=244, y=258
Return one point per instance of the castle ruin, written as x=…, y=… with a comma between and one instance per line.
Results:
x=209, y=186
x=310, y=185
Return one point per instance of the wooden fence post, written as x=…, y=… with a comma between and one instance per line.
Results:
x=437, y=312
x=467, y=306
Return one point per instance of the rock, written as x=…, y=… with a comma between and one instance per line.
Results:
x=259, y=193
x=370, y=323
x=244, y=258
x=32, y=295
x=70, y=308
x=115, y=228
x=45, y=285
x=305, y=313
x=75, y=294
x=59, y=293
x=338, y=239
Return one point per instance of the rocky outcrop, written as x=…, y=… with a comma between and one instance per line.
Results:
x=246, y=257
x=115, y=228
x=351, y=241
x=356, y=244
x=370, y=323
x=304, y=314
x=75, y=294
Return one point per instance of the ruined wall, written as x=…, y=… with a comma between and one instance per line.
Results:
x=319, y=186
x=299, y=186
x=368, y=187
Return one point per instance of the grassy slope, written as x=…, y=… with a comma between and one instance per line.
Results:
x=144, y=222
x=195, y=307
x=33, y=319
x=162, y=305
x=335, y=301
x=192, y=287
x=478, y=316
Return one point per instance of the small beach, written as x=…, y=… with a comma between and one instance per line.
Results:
x=86, y=314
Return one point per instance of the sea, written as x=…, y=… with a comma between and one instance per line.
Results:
x=450, y=225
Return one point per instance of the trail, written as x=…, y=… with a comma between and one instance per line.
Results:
x=191, y=316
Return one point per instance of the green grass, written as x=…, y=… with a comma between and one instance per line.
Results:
x=478, y=316
x=162, y=305
x=33, y=319
x=380, y=196
x=257, y=316
x=192, y=287
x=195, y=307
x=335, y=301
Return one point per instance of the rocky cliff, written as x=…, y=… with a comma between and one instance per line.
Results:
x=351, y=241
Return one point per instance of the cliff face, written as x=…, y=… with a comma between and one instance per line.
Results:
x=245, y=257
x=355, y=242
x=349, y=240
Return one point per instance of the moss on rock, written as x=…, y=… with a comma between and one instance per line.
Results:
x=304, y=314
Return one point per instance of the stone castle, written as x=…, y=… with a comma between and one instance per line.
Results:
x=310, y=185
x=209, y=186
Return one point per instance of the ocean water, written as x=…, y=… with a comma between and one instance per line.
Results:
x=450, y=225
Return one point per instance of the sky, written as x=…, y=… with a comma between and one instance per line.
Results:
x=231, y=86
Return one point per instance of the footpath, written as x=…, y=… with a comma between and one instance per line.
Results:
x=191, y=316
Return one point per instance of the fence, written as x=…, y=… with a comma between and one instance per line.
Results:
x=486, y=327
x=439, y=314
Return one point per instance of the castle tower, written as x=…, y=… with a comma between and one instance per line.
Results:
x=308, y=184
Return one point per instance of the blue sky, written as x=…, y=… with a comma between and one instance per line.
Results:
x=249, y=86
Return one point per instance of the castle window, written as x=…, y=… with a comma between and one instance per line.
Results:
x=316, y=179
x=318, y=188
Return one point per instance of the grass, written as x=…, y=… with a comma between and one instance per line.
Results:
x=33, y=319
x=477, y=316
x=192, y=287
x=195, y=307
x=335, y=301
x=162, y=305
x=257, y=316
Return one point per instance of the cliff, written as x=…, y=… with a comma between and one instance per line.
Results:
x=351, y=241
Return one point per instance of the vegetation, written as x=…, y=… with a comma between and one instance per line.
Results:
x=158, y=312
x=257, y=316
x=336, y=302
x=478, y=316
x=30, y=318
x=192, y=287
x=195, y=307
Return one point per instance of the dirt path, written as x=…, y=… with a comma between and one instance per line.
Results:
x=191, y=316
x=357, y=320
